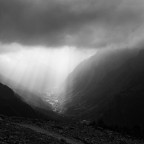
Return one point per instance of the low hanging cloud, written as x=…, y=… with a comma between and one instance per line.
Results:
x=80, y=23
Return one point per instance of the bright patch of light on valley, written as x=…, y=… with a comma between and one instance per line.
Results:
x=40, y=70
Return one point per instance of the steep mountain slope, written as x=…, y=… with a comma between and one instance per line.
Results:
x=97, y=82
x=127, y=108
x=12, y=105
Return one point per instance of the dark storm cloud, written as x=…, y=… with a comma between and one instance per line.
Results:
x=82, y=23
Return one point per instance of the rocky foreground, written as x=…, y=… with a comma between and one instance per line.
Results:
x=15, y=130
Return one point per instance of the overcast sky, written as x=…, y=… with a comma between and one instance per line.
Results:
x=80, y=23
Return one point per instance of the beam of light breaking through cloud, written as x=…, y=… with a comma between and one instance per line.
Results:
x=43, y=41
x=39, y=70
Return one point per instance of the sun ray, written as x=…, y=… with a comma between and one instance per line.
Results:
x=41, y=71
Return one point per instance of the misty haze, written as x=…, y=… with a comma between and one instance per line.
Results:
x=72, y=71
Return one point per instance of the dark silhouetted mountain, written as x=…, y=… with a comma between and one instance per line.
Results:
x=127, y=107
x=12, y=105
x=108, y=86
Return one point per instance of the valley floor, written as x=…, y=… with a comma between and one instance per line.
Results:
x=34, y=131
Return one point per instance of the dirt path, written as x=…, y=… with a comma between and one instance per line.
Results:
x=53, y=134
